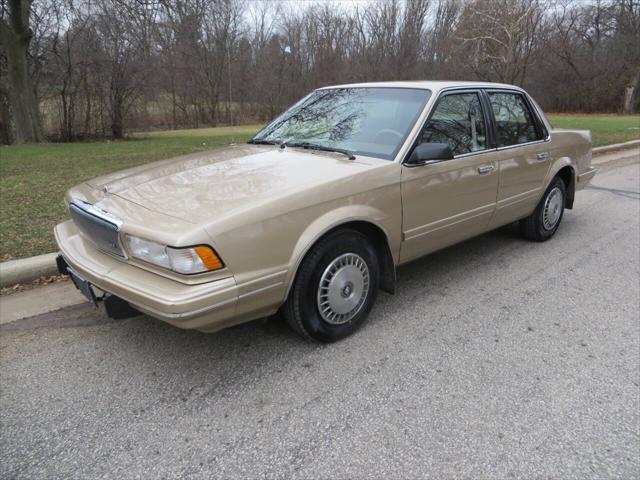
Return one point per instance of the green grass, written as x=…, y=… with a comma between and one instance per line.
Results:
x=33, y=178
x=606, y=129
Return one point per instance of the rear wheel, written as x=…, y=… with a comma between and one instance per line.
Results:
x=335, y=287
x=546, y=218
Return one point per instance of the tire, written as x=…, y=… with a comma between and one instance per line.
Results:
x=545, y=219
x=345, y=261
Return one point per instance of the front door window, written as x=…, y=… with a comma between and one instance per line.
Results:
x=458, y=121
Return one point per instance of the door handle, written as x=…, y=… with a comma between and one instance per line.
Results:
x=486, y=169
x=542, y=155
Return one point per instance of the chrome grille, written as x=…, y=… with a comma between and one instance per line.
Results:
x=100, y=231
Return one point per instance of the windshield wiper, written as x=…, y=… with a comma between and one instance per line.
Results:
x=260, y=141
x=315, y=146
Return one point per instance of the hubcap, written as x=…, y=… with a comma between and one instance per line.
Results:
x=553, y=207
x=343, y=289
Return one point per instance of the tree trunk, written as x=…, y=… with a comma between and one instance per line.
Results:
x=174, y=119
x=116, y=121
x=15, y=37
x=629, y=91
x=64, y=132
x=87, y=111
x=115, y=107
x=6, y=137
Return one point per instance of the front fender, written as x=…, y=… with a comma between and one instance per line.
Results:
x=388, y=224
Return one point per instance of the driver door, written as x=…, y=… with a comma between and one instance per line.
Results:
x=448, y=201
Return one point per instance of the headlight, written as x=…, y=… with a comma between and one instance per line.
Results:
x=182, y=260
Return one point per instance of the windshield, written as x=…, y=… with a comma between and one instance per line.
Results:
x=366, y=121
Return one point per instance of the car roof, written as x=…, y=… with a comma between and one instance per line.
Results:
x=433, y=85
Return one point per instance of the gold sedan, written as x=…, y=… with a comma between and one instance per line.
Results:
x=315, y=213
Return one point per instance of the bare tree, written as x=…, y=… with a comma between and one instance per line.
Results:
x=102, y=67
x=67, y=64
x=501, y=37
x=15, y=36
x=122, y=56
x=441, y=39
x=627, y=40
x=220, y=31
x=411, y=34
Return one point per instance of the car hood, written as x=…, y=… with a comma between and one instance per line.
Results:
x=212, y=185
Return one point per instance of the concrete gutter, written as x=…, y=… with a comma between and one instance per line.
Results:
x=25, y=270
x=38, y=301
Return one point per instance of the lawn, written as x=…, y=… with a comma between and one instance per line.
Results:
x=606, y=129
x=33, y=178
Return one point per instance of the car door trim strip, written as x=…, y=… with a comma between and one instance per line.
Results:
x=449, y=221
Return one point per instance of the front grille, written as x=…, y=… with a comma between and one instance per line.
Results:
x=102, y=233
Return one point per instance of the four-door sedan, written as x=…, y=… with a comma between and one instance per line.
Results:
x=315, y=213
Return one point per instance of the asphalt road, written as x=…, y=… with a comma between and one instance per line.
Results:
x=497, y=358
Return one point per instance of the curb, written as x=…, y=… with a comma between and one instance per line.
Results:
x=25, y=270
x=615, y=147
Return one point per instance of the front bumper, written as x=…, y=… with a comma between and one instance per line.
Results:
x=208, y=306
x=115, y=307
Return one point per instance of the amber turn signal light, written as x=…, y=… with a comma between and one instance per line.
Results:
x=209, y=257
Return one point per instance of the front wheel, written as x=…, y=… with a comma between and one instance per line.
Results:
x=546, y=218
x=335, y=287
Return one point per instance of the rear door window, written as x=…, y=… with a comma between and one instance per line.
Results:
x=514, y=121
x=458, y=121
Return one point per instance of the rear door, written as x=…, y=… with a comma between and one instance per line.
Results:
x=448, y=201
x=523, y=154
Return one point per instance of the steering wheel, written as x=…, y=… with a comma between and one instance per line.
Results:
x=388, y=132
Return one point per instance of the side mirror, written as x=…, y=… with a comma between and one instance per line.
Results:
x=430, y=153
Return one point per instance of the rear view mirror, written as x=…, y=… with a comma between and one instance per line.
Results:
x=430, y=153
